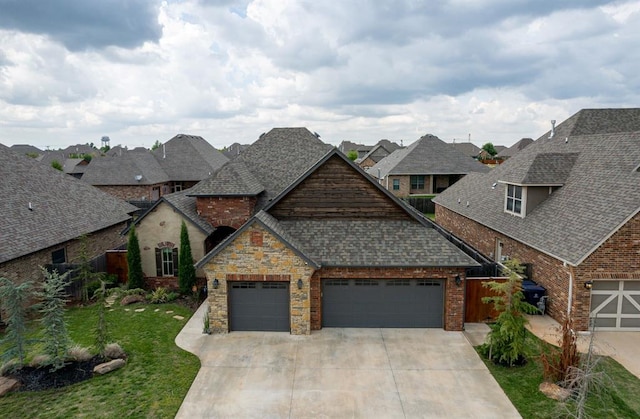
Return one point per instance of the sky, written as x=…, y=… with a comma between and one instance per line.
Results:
x=141, y=71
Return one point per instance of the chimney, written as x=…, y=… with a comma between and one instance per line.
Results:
x=553, y=128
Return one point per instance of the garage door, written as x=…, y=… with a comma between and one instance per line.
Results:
x=382, y=303
x=615, y=305
x=259, y=306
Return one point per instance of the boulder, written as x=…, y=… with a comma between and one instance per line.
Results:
x=130, y=299
x=109, y=366
x=554, y=391
x=7, y=385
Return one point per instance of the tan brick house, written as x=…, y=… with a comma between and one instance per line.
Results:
x=568, y=204
x=327, y=247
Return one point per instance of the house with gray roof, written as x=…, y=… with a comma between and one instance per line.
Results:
x=428, y=166
x=143, y=175
x=26, y=149
x=467, y=148
x=519, y=146
x=44, y=214
x=568, y=206
x=334, y=249
x=346, y=146
x=377, y=153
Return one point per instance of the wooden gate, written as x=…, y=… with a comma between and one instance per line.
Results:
x=475, y=310
x=117, y=265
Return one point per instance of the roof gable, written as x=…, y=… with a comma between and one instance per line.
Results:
x=189, y=158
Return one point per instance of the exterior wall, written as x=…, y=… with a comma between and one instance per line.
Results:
x=404, y=185
x=367, y=163
x=618, y=258
x=226, y=211
x=453, y=300
x=131, y=192
x=163, y=225
x=257, y=255
x=27, y=268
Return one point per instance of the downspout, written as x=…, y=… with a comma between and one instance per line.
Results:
x=570, y=293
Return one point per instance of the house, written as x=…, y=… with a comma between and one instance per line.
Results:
x=374, y=155
x=45, y=212
x=509, y=152
x=467, y=148
x=234, y=149
x=568, y=206
x=428, y=166
x=143, y=175
x=346, y=146
x=26, y=149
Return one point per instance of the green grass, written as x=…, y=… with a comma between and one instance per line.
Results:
x=153, y=384
x=520, y=384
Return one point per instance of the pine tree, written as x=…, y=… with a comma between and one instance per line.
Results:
x=55, y=334
x=134, y=261
x=14, y=299
x=186, y=270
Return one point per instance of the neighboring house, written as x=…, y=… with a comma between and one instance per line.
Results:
x=234, y=149
x=142, y=175
x=326, y=247
x=45, y=212
x=469, y=149
x=346, y=146
x=374, y=155
x=568, y=205
x=428, y=166
x=26, y=149
x=519, y=146
x=77, y=150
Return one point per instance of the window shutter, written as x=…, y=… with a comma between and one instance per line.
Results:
x=158, y=262
x=175, y=261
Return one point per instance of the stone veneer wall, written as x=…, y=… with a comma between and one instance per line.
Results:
x=453, y=299
x=130, y=192
x=231, y=211
x=257, y=255
x=617, y=258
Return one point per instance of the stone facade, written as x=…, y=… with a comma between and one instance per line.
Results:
x=226, y=211
x=617, y=258
x=251, y=259
x=134, y=192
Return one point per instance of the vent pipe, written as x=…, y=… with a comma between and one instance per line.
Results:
x=164, y=152
x=553, y=128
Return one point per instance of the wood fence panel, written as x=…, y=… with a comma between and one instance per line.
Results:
x=475, y=310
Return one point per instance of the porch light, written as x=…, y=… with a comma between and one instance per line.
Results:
x=216, y=283
x=300, y=284
x=458, y=280
x=588, y=285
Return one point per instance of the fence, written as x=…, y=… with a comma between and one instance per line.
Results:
x=421, y=203
x=74, y=289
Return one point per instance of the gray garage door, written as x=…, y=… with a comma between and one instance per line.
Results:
x=615, y=305
x=259, y=306
x=382, y=303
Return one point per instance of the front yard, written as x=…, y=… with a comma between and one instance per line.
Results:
x=153, y=383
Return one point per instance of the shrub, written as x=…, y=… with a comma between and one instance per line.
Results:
x=134, y=262
x=113, y=351
x=186, y=270
x=9, y=367
x=13, y=299
x=158, y=296
x=134, y=291
x=79, y=353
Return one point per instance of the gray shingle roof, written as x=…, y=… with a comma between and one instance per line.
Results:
x=123, y=170
x=520, y=145
x=427, y=156
x=187, y=206
x=25, y=149
x=468, y=149
x=275, y=160
x=543, y=169
x=601, y=189
x=374, y=243
x=63, y=207
x=189, y=158
x=233, y=179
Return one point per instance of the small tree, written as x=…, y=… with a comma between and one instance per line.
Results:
x=352, y=155
x=52, y=308
x=56, y=165
x=186, y=270
x=134, y=261
x=156, y=145
x=490, y=149
x=14, y=299
x=506, y=340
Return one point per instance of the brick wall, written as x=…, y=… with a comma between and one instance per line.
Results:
x=454, y=295
x=404, y=185
x=617, y=258
x=130, y=192
x=226, y=211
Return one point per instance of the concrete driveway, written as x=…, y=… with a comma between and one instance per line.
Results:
x=339, y=373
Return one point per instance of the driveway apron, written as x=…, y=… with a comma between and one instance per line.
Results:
x=339, y=373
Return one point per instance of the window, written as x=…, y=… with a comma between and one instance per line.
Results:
x=514, y=199
x=396, y=184
x=167, y=261
x=417, y=182
x=58, y=256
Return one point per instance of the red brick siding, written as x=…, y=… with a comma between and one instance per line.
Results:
x=454, y=295
x=169, y=282
x=617, y=258
x=226, y=211
x=131, y=192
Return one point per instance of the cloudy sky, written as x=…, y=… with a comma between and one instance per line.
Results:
x=72, y=71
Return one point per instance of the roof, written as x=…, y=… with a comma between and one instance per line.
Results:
x=273, y=162
x=63, y=208
x=25, y=149
x=427, y=156
x=601, y=191
x=189, y=158
x=468, y=149
x=508, y=152
x=134, y=167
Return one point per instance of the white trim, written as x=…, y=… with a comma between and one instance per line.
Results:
x=620, y=296
x=523, y=200
x=530, y=184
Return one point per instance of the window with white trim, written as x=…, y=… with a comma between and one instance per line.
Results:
x=514, y=199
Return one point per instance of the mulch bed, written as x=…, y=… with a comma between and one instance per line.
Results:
x=36, y=379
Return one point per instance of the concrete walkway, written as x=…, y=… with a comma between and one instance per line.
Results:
x=336, y=373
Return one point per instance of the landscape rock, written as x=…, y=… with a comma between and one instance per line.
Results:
x=7, y=385
x=178, y=317
x=109, y=366
x=554, y=391
x=130, y=299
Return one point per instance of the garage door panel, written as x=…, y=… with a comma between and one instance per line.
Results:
x=382, y=303
x=615, y=305
x=256, y=306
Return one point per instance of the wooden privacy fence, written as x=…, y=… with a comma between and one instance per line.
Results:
x=421, y=203
x=475, y=310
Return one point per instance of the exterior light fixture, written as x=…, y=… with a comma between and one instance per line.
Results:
x=216, y=283
x=458, y=280
x=588, y=285
x=300, y=284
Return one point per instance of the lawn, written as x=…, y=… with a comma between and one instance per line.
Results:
x=619, y=400
x=153, y=384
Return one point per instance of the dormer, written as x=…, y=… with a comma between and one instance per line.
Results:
x=528, y=186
